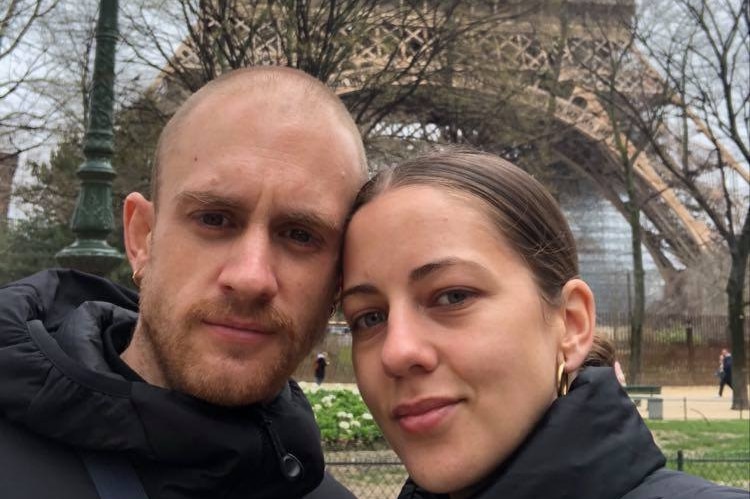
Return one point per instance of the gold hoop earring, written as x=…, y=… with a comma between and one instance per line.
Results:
x=137, y=277
x=562, y=380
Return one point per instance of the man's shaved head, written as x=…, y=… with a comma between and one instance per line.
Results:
x=254, y=177
x=282, y=90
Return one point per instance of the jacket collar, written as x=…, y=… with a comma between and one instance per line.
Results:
x=55, y=381
x=591, y=444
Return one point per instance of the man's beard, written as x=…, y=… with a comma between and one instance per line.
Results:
x=171, y=341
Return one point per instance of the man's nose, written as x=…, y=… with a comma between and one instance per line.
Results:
x=407, y=348
x=250, y=269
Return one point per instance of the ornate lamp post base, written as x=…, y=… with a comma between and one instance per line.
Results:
x=90, y=255
x=93, y=218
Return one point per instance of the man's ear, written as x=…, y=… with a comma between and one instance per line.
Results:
x=138, y=223
x=580, y=322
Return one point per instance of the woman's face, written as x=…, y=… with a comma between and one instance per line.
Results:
x=454, y=352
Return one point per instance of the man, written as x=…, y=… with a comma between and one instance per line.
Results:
x=321, y=361
x=236, y=258
x=725, y=370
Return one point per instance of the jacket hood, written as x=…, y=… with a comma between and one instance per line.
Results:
x=55, y=381
x=591, y=444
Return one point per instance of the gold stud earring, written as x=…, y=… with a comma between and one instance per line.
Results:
x=562, y=380
x=137, y=277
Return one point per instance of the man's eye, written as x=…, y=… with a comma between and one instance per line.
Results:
x=453, y=297
x=299, y=236
x=213, y=219
x=368, y=320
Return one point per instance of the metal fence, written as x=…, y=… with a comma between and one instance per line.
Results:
x=687, y=408
x=368, y=474
x=732, y=471
x=676, y=349
x=381, y=477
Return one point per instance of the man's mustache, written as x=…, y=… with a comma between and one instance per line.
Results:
x=266, y=316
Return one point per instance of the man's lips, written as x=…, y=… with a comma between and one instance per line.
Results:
x=239, y=330
x=424, y=414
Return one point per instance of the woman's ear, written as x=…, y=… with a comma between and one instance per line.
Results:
x=579, y=313
x=138, y=223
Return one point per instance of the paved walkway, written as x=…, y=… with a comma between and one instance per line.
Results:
x=679, y=402
x=696, y=402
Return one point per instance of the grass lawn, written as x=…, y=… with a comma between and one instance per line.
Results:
x=702, y=438
x=705, y=444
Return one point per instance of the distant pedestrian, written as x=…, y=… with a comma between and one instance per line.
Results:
x=619, y=374
x=725, y=370
x=320, y=367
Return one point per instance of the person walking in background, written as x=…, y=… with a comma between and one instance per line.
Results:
x=320, y=367
x=620, y=374
x=725, y=370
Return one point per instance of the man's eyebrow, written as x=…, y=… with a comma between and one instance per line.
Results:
x=424, y=270
x=310, y=219
x=208, y=199
x=363, y=289
x=301, y=217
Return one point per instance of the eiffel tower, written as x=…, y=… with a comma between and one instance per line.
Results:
x=554, y=58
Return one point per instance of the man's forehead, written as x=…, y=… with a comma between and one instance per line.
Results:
x=285, y=97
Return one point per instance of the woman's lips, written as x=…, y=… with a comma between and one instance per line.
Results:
x=424, y=415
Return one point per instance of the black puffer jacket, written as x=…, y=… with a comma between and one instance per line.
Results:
x=59, y=396
x=591, y=444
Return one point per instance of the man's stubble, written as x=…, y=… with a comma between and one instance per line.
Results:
x=170, y=341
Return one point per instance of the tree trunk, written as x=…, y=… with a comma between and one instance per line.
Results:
x=735, y=294
x=639, y=299
x=639, y=289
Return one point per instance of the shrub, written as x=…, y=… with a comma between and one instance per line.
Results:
x=343, y=418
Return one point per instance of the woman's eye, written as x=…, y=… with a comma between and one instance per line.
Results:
x=453, y=297
x=368, y=320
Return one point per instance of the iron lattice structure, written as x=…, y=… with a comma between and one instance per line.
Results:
x=547, y=67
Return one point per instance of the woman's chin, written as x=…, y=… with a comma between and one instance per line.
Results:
x=443, y=478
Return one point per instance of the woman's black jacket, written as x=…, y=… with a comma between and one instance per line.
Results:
x=591, y=444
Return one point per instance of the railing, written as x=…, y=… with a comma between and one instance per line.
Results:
x=731, y=471
x=369, y=474
x=687, y=408
x=676, y=349
x=382, y=477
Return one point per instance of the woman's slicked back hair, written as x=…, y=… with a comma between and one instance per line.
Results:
x=523, y=211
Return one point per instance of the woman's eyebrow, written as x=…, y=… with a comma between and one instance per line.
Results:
x=415, y=275
x=424, y=270
x=366, y=289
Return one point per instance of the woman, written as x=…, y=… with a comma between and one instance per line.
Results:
x=469, y=324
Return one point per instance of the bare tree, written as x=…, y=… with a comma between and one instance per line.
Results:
x=378, y=55
x=624, y=86
x=703, y=134
x=24, y=64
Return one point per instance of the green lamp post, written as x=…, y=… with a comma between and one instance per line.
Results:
x=93, y=219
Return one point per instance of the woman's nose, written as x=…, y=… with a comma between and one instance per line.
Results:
x=408, y=347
